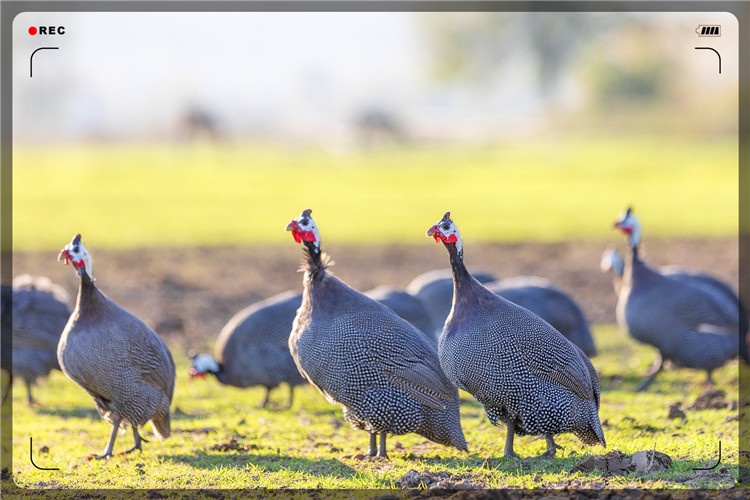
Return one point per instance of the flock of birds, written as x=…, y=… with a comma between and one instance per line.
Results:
x=521, y=347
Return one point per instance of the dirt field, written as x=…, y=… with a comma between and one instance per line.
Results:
x=188, y=294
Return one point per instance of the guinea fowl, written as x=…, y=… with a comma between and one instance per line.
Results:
x=551, y=304
x=613, y=263
x=40, y=312
x=362, y=356
x=524, y=372
x=435, y=289
x=406, y=305
x=115, y=357
x=253, y=348
x=689, y=324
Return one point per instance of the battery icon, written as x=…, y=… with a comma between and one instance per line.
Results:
x=708, y=30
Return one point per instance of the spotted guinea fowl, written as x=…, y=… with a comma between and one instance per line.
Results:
x=253, y=348
x=115, y=357
x=524, y=372
x=406, y=305
x=40, y=312
x=614, y=263
x=361, y=355
x=435, y=289
x=689, y=324
x=551, y=304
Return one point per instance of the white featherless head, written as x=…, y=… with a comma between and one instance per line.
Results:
x=303, y=228
x=76, y=254
x=205, y=363
x=612, y=262
x=445, y=230
x=628, y=223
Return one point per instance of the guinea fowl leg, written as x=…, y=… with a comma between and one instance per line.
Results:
x=552, y=447
x=382, y=452
x=373, y=445
x=111, y=443
x=138, y=439
x=509, y=453
x=7, y=377
x=655, y=369
x=264, y=404
x=29, y=397
x=291, y=397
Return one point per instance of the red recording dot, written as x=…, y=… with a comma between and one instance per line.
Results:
x=32, y=30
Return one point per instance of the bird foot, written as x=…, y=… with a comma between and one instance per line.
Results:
x=131, y=450
x=550, y=453
x=136, y=446
x=552, y=448
x=94, y=456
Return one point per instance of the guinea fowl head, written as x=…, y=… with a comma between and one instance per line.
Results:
x=612, y=262
x=630, y=226
x=445, y=230
x=203, y=364
x=305, y=231
x=75, y=253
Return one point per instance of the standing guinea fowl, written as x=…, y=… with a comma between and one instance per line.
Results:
x=361, y=355
x=40, y=312
x=689, y=324
x=253, y=347
x=613, y=262
x=524, y=372
x=112, y=354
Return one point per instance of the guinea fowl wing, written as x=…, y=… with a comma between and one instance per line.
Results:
x=414, y=370
x=693, y=307
x=562, y=362
x=562, y=369
x=395, y=348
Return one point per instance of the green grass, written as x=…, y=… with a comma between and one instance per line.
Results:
x=127, y=196
x=309, y=446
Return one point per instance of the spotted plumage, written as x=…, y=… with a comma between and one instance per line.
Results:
x=551, y=304
x=115, y=357
x=407, y=306
x=525, y=373
x=435, y=289
x=688, y=321
x=362, y=356
x=253, y=347
x=39, y=313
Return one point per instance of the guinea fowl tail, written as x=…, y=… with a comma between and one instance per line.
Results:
x=444, y=427
x=591, y=432
x=161, y=424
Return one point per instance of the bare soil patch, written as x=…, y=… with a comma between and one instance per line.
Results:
x=187, y=294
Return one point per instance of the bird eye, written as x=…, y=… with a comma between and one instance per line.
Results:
x=75, y=249
x=445, y=226
x=304, y=222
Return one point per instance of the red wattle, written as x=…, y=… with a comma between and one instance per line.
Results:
x=297, y=239
x=451, y=239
